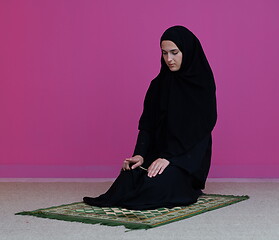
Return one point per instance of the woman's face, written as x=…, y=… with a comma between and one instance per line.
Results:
x=172, y=55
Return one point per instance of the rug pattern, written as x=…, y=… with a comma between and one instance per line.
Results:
x=134, y=219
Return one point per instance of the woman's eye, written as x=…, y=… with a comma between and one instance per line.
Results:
x=174, y=53
x=164, y=53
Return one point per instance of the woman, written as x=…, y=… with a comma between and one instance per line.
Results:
x=172, y=156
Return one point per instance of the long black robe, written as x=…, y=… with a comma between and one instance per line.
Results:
x=178, y=117
x=176, y=186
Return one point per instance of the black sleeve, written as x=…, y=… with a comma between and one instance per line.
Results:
x=197, y=160
x=143, y=143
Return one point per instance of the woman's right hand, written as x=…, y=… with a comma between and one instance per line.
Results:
x=135, y=161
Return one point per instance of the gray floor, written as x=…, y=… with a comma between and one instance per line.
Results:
x=256, y=218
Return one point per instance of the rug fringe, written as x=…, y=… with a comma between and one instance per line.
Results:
x=111, y=223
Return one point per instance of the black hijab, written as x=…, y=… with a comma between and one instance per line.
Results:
x=180, y=107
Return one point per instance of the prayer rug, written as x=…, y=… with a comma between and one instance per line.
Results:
x=134, y=219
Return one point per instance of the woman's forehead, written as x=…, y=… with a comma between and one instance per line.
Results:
x=168, y=45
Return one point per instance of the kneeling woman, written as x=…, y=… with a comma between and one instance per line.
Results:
x=172, y=156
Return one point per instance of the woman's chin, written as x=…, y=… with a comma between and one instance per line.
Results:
x=174, y=69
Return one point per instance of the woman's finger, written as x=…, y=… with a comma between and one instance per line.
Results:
x=165, y=164
x=136, y=165
x=155, y=172
x=162, y=169
x=152, y=170
x=126, y=165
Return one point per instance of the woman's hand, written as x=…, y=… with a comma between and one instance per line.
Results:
x=136, y=161
x=157, y=167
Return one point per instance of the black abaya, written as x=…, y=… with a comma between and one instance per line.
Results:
x=133, y=189
x=178, y=117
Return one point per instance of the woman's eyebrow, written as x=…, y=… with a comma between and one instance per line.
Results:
x=170, y=50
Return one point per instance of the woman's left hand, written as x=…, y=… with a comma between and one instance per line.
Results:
x=157, y=167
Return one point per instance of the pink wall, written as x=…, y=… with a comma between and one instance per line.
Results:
x=73, y=75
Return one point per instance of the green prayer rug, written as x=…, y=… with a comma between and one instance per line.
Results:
x=133, y=219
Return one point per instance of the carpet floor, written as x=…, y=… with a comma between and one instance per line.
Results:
x=255, y=219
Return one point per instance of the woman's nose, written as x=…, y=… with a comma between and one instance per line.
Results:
x=169, y=58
